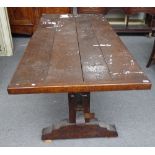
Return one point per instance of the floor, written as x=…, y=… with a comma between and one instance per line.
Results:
x=23, y=116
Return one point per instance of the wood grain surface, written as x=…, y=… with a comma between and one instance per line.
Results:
x=79, y=53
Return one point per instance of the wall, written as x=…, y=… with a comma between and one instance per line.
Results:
x=6, y=44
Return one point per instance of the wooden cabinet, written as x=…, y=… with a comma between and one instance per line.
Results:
x=133, y=10
x=96, y=10
x=151, y=22
x=39, y=11
x=127, y=11
x=23, y=20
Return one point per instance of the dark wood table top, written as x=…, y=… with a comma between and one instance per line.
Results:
x=80, y=53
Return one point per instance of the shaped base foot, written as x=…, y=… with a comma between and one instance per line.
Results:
x=65, y=130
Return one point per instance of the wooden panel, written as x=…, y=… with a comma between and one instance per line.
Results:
x=76, y=54
x=24, y=20
x=55, y=10
x=21, y=16
x=97, y=10
x=133, y=10
x=65, y=66
x=21, y=19
x=121, y=64
x=50, y=10
x=35, y=62
x=93, y=64
x=52, y=56
x=18, y=29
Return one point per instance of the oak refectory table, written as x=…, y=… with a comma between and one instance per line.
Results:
x=77, y=54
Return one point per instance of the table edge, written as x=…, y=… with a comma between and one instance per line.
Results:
x=78, y=88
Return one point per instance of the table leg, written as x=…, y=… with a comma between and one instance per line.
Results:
x=151, y=56
x=127, y=21
x=79, y=127
x=72, y=108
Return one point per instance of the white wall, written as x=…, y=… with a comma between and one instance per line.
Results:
x=6, y=45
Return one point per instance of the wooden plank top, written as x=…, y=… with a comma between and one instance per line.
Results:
x=81, y=53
